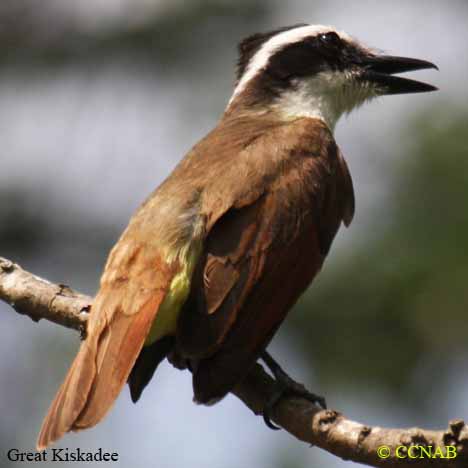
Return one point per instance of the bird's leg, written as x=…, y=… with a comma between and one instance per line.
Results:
x=285, y=386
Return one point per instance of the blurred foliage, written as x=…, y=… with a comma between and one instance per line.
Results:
x=35, y=228
x=179, y=31
x=400, y=297
x=21, y=227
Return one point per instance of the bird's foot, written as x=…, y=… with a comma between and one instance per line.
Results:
x=285, y=387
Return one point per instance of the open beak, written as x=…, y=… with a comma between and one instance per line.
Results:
x=379, y=69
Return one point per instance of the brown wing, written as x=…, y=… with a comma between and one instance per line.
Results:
x=258, y=260
x=133, y=287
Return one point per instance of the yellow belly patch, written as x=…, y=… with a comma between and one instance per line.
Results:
x=166, y=318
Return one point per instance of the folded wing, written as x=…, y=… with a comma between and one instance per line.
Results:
x=258, y=259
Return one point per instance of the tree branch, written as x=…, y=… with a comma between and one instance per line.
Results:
x=328, y=429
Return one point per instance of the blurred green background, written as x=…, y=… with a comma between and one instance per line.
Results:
x=100, y=99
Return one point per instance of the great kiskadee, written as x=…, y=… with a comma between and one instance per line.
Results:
x=213, y=260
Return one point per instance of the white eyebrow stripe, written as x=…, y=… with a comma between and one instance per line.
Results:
x=261, y=58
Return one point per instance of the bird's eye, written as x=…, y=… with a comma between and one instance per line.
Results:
x=330, y=38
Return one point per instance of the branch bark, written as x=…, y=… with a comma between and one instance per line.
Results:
x=328, y=429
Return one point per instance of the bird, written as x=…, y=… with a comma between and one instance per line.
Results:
x=214, y=259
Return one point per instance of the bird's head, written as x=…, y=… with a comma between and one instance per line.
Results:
x=316, y=71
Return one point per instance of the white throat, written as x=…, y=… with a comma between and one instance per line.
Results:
x=326, y=96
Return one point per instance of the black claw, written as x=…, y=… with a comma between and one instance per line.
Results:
x=268, y=422
x=270, y=404
x=285, y=386
x=321, y=402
